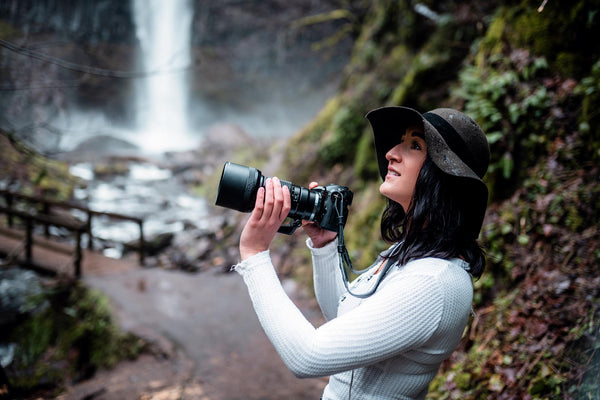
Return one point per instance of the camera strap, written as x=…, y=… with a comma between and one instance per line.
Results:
x=290, y=228
x=344, y=258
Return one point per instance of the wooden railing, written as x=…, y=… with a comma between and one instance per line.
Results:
x=43, y=216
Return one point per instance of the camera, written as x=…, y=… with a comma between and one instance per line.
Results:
x=325, y=205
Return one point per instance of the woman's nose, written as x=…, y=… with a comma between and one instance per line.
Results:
x=393, y=154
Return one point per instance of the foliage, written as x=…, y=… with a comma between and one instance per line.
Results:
x=535, y=93
x=589, y=119
x=560, y=33
x=507, y=97
x=346, y=128
x=348, y=16
x=71, y=334
x=30, y=173
x=538, y=337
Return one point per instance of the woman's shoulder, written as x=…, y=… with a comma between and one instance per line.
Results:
x=448, y=277
x=435, y=266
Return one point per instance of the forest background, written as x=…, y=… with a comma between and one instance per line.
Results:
x=529, y=73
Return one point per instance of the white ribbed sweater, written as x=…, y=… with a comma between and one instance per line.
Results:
x=394, y=341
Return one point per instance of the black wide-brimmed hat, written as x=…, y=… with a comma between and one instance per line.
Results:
x=455, y=143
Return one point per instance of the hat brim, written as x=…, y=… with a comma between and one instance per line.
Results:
x=390, y=123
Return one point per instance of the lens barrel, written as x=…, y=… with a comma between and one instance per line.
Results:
x=239, y=184
x=238, y=187
x=306, y=204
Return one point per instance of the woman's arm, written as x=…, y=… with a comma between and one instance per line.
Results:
x=401, y=315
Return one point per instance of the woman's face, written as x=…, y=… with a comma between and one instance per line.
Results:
x=404, y=164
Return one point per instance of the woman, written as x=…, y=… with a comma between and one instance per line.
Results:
x=390, y=344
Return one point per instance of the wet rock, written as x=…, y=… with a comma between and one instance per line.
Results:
x=98, y=148
x=158, y=243
x=17, y=288
x=190, y=248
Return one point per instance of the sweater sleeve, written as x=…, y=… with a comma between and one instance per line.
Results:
x=327, y=277
x=401, y=315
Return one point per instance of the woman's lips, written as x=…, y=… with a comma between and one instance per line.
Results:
x=391, y=172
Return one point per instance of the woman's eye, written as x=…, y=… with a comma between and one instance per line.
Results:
x=416, y=145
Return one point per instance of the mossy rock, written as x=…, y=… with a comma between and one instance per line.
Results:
x=70, y=338
x=33, y=173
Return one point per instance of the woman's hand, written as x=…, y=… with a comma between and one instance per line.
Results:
x=319, y=236
x=270, y=210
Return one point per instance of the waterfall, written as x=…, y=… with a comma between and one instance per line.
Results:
x=163, y=28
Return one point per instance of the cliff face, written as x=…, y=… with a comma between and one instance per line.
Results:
x=79, y=21
x=251, y=62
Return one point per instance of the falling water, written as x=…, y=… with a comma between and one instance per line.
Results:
x=164, y=31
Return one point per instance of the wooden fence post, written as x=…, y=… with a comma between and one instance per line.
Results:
x=88, y=229
x=28, y=240
x=9, y=203
x=46, y=211
x=78, y=255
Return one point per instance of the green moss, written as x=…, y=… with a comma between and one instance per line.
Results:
x=346, y=128
x=560, y=33
x=301, y=153
x=362, y=235
x=506, y=98
x=108, y=169
x=35, y=173
x=366, y=167
x=73, y=335
x=589, y=117
x=7, y=30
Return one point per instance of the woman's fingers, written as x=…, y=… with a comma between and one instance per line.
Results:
x=282, y=201
x=277, y=200
x=273, y=202
x=260, y=201
x=268, y=204
x=287, y=202
x=259, y=205
x=270, y=210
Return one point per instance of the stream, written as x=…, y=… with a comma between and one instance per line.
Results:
x=146, y=191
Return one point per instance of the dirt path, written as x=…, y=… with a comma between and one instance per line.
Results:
x=212, y=344
x=209, y=344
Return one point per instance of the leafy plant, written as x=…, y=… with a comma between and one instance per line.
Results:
x=508, y=99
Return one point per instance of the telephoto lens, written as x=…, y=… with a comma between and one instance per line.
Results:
x=239, y=185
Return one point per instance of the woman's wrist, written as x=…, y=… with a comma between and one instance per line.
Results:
x=252, y=262
x=317, y=244
x=319, y=249
x=246, y=253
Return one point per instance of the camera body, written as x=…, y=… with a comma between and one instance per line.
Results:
x=325, y=205
x=327, y=216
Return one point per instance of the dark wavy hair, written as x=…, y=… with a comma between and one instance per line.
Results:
x=435, y=224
